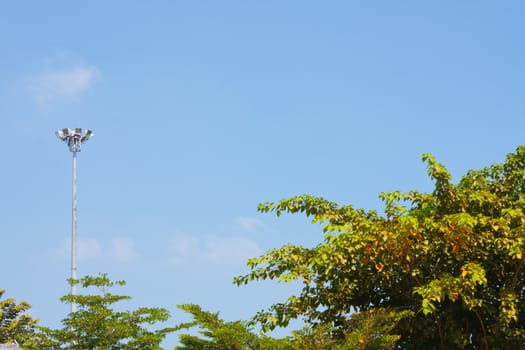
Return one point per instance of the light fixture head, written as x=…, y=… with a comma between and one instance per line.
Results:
x=74, y=137
x=87, y=135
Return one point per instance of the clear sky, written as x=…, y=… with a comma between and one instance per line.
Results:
x=203, y=109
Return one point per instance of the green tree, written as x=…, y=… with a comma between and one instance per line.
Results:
x=366, y=331
x=371, y=330
x=95, y=325
x=216, y=334
x=15, y=324
x=453, y=258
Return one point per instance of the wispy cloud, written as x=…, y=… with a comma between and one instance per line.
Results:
x=52, y=85
x=184, y=248
x=88, y=248
x=211, y=249
x=123, y=249
x=229, y=249
x=248, y=223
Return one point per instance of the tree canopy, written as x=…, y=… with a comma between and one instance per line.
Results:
x=15, y=323
x=217, y=334
x=452, y=258
x=367, y=331
x=96, y=325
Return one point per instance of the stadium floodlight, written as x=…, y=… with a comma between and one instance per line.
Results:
x=74, y=138
x=86, y=135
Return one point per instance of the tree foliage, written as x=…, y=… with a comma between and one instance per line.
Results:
x=366, y=330
x=453, y=258
x=15, y=324
x=216, y=334
x=369, y=330
x=96, y=325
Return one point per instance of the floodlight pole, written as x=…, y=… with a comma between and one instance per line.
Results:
x=74, y=138
x=74, y=232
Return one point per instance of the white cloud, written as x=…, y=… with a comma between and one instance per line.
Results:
x=88, y=248
x=123, y=249
x=248, y=223
x=229, y=249
x=212, y=249
x=52, y=85
x=184, y=248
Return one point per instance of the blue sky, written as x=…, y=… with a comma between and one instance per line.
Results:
x=203, y=109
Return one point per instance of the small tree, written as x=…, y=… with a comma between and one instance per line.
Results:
x=216, y=334
x=97, y=326
x=15, y=324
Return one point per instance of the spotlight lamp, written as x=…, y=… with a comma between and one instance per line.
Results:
x=74, y=138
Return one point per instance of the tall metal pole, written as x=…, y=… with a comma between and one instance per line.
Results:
x=74, y=138
x=74, y=233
